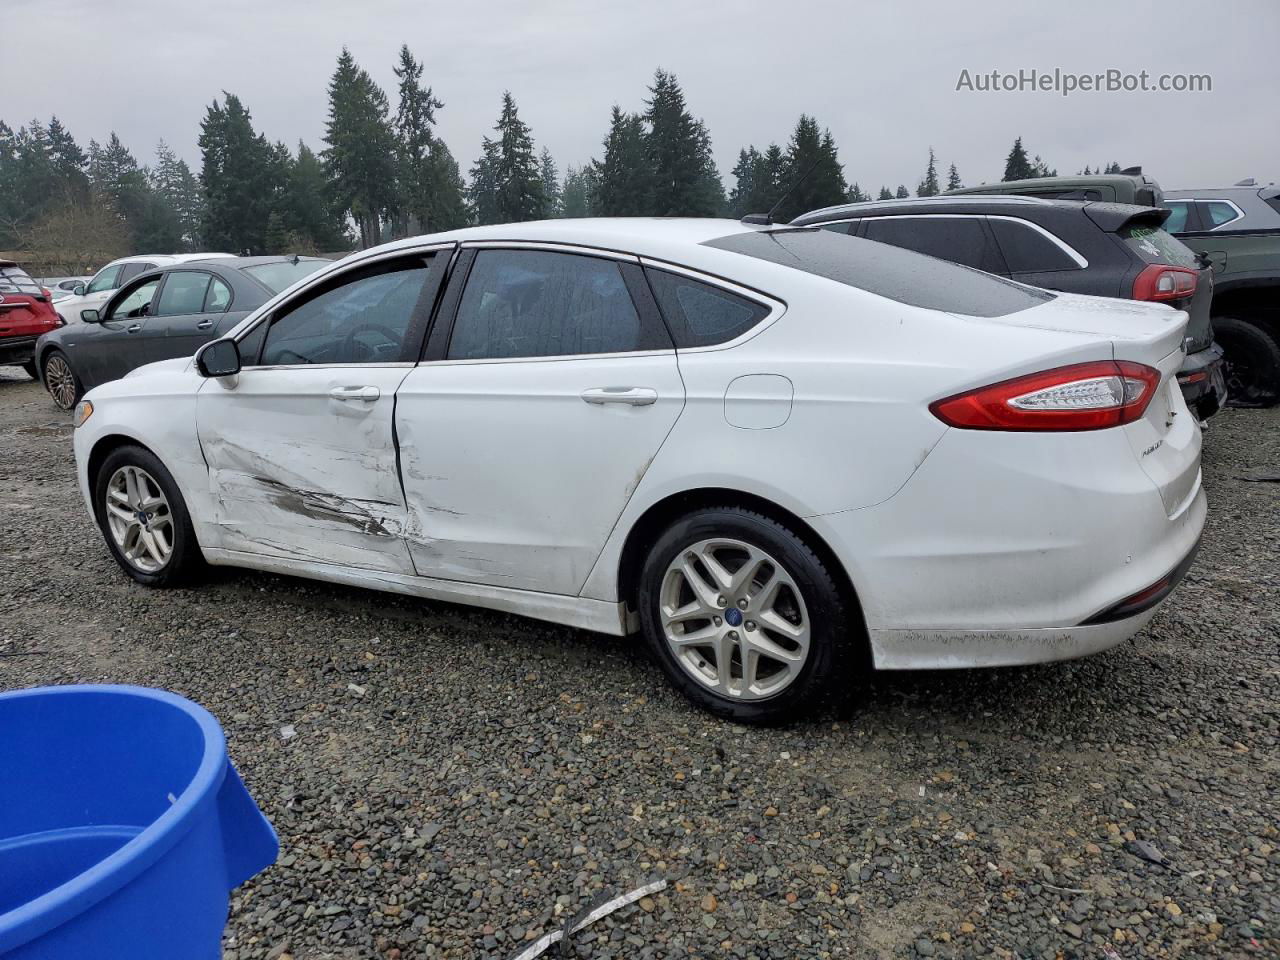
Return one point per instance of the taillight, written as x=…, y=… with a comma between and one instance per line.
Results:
x=1082, y=396
x=1161, y=282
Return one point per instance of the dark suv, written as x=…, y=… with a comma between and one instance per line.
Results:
x=1238, y=229
x=1103, y=249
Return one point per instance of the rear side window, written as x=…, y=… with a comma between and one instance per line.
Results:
x=1154, y=245
x=532, y=303
x=886, y=271
x=1027, y=250
x=958, y=239
x=219, y=297
x=1217, y=213
x=700, y=315
x=183, y=294
x=130, y=270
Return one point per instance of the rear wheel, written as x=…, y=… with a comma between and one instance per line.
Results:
x=1251, y=355
x=743, y=616
x=144, y=519
x=61, y=380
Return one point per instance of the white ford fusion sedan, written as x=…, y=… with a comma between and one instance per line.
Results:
x=776, y=452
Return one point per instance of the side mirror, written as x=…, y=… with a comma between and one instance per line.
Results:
x=218, y=358
x=90, y=316
x=78, y=288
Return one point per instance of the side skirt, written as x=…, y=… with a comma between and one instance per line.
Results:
x=598, y=615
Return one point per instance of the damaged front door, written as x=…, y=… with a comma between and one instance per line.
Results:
x=300, y=445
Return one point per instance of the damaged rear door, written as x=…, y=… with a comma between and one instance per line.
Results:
x=301, y=444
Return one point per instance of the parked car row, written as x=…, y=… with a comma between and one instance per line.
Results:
x=157, y=314
x=773, y=450
x=1237, y=229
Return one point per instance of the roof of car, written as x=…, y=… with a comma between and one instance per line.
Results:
x=916, y=204
x=640, y=235
x=241, y=262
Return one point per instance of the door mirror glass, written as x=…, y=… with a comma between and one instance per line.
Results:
x=78, y=288
x=220, y=358
x=89, y=316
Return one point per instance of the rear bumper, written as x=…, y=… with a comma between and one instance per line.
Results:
x=17, y=349
x=1203, y=381
x=1001, y=550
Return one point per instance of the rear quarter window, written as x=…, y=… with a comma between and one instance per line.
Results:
x=1027, y=250
x=886, y=271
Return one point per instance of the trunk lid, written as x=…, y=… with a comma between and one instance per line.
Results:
x=25, y=310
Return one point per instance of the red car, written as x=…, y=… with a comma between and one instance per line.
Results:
x=25, y=313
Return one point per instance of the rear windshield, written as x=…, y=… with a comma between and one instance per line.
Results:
x=15, y=280
x=279, y=276
x=1154, y=245
x=887, y=271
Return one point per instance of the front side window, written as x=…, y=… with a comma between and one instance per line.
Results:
x=1027, y=250
x=137, y=302
x=958, y=239
x=360, y=318
x=533, y=303
x=700, y=315
x=184, y=292
x=108, y=278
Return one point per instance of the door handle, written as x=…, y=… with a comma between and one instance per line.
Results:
x=367, y=394
x=133, y=328
x=204, y=324
x=634, y=396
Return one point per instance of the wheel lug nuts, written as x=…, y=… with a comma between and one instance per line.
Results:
x=751, y=624
x=742, y=604
x=717, y=621
x=722, y=601
x=733, y=634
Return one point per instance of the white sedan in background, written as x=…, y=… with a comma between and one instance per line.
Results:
x=771, y=450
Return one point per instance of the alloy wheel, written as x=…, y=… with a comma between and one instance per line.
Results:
x=139, y=517
x=61, y=382
x=734, y=619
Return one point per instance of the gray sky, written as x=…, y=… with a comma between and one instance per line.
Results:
x=882, y=77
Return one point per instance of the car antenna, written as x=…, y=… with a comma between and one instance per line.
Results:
x=296, y=258
x=767, y=218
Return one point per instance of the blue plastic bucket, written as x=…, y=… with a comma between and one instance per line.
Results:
x=123, y=826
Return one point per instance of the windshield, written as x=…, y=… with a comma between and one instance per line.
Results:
x=1154, y=245
x=14, y=279
x=887, y=271
x=279, y=276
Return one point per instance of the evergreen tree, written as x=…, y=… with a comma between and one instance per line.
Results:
x=678, y=147
x=67, y=163
x=551, y=194
x=581, y=187
x=928, y=187
x=507, y=179
x=1016, y=165
x=429, y=185
x=482, y=196
x=1041, y=169
x=953, y=179
x=745, y=172
x=857, y=195
x=885, y=194
x=305, y=215
x=361, y=151
x=902, y=193
x=242, y=177
x=173, y=181
x=1112, y=167
x=812, y=171
x=625, y=187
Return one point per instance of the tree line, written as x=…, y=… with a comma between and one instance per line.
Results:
x=383, y=174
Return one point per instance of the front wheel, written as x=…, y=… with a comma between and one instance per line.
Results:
x=1251, y=355
x=144, y=519
x=744, y=617
x=61, y=380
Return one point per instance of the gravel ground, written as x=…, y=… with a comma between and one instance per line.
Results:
x=461, y=782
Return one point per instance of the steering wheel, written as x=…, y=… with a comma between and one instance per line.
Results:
x=349, y=345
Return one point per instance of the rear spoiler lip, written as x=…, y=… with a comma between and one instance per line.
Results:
x=1112, y=220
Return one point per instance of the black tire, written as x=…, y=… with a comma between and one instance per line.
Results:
x=1251, y=354
x=65, y=394
x=833, y=642
x=185, y=560
x=32, y=372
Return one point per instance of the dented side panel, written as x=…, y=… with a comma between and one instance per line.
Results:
x=296, y=472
